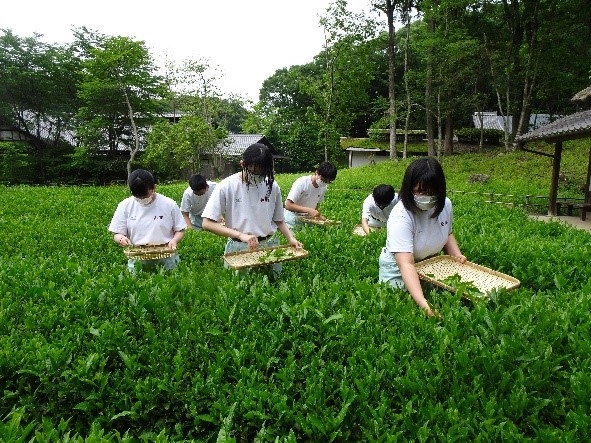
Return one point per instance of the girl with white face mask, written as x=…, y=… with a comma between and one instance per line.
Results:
x=250, y=202
x=419, y=226
x=147, y=218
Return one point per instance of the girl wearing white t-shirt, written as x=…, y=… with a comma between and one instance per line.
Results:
x=250, y=202
x=419, y=226
x=147, y=218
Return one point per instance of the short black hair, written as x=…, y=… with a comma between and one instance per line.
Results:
x=197, y=182
x=427, y=173
x=140, y=182
x=383, y=194
x=327, y=170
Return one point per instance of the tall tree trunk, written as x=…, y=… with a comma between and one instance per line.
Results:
x=449, y=135
x=132, y=151
x=406, y=85
x=428, y=94
x=391, y=78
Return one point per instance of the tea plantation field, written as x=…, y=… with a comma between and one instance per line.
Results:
x=89, y=353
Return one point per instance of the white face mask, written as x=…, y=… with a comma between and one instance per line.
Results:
x=144, y=201
x=425, y=202
x=321, y=183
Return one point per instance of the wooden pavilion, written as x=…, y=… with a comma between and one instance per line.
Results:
x=571, y=127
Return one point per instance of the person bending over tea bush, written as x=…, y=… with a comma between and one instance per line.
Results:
x=307, y=193
x=194, y=199
x=377, y=207
x=419, y=227
x=148, y=218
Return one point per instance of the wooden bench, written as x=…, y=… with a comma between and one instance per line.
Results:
x=581, y=206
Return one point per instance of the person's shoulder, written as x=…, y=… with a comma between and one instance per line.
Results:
x=399, y=208
x=123, y=204
x=166, y=199
x=229, y=181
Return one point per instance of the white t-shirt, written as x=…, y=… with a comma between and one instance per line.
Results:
x=418, y=233
x=194, y=204
x=303, y=193
x=371, y=210
x=246, y=208
x=154, y=224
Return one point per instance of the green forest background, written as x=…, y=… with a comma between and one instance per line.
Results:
x=91, y=110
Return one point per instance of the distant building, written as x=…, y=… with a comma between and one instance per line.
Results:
x=490, y=120
x=226, y=160
x=366, y=156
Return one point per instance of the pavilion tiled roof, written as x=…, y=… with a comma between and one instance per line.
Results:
x=577, y=125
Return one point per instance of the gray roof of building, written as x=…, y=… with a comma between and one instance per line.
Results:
x=238, y=143
x=577, y=125
x=490, y=120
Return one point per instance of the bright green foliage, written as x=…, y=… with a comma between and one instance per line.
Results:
x=183, y=145
x=324, y=353
x=119, y=92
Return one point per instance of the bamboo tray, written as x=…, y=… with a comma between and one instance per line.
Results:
x=358, y=230
x=439, y=268
x=318, y=221
x=263, y=256
x=149, y=252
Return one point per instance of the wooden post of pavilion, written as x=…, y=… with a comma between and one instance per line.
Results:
x=555, y=176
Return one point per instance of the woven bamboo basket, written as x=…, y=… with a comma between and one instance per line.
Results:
x=263, y=256
x=317, y=221
x=437, y=269
x=358, y=230
x=149, y=252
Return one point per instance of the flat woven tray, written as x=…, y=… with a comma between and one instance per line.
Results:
x=263, y=256
x=439, y=268
x=317, y=221
x=149, y=252
x=358, y=230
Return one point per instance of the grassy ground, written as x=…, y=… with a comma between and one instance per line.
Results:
x=515, y=173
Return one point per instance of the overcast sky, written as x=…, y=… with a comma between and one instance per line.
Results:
x=246, y=40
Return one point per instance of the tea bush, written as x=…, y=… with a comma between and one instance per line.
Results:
x=325, y=353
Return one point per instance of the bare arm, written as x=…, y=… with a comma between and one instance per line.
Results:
x=291, y=206
x=365, y=226
x=187, y=220
x=410, y=277
x=284, y=229
x=452, y=248
x=177, y=237
x=221, y=229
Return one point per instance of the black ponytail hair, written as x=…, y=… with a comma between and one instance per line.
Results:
x=258, y=156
